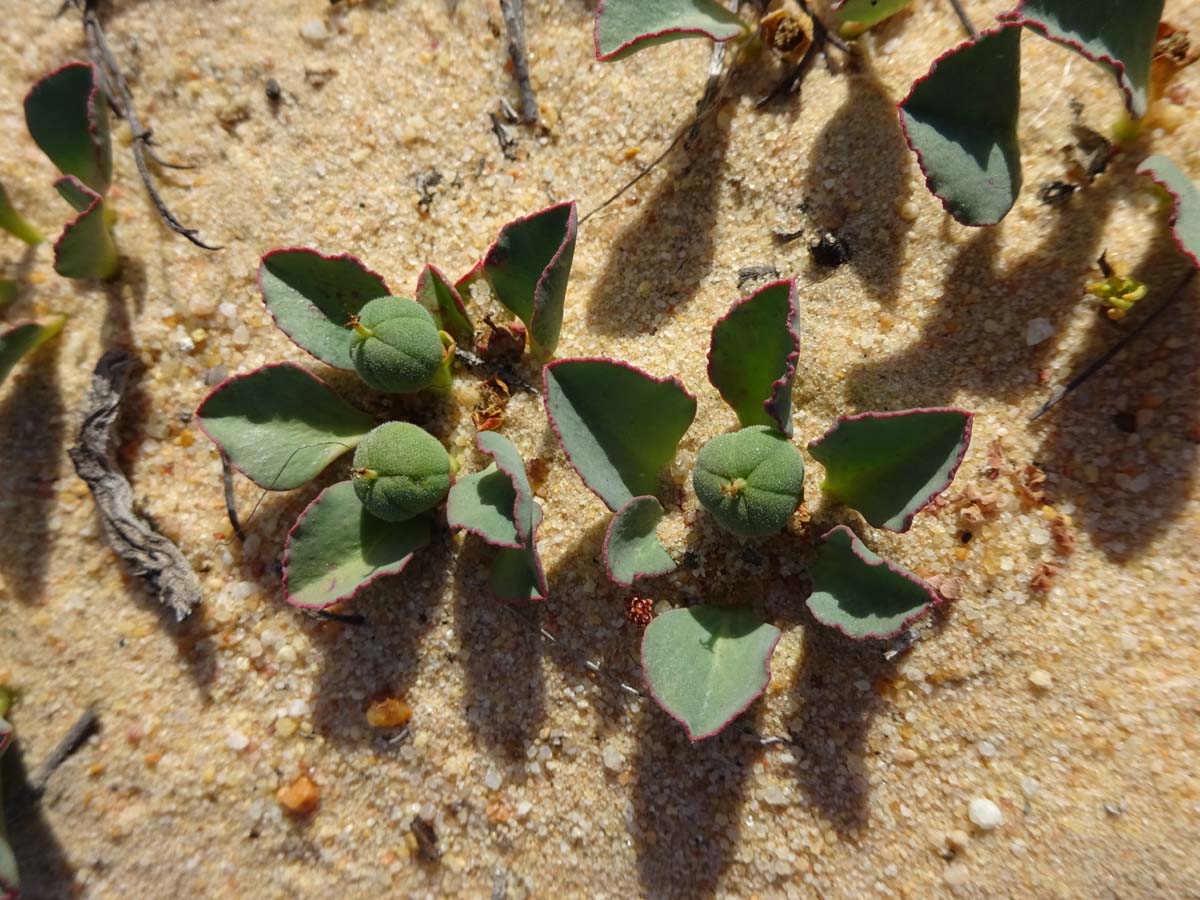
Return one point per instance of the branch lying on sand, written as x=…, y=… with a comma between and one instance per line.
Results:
x=514, y=22
x=149, y=555
x=121, y=100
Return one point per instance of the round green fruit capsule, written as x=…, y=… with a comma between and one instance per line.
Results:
x=750, y=480
x=400, y=471
x=395, y=346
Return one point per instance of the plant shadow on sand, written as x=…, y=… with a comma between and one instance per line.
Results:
x=964, y=347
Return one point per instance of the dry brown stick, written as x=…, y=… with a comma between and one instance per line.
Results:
x=149, y=555
x=1078, y=381
x=514, y=22
x=962, y=17
x=85, y=726
x=230, y=500
x=121, y=98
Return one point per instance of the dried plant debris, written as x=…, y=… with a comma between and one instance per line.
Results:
x=149, y=555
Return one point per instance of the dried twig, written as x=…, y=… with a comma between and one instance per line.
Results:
x=149, y=555
x=504, y=137
x=514, y=21
x=230, y=501
x=85, y=726
x=1078, y=381
x=509, y=375
x=962, y=17
x=704, y=108
x=120, y=98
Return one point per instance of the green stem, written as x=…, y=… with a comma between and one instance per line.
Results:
x=443, y=380
x=16, y=224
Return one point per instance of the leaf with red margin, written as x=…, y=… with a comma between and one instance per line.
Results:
x=631, y=546
x=1117, y=34
x=863, y=595
x=753, y=355
x=961, y=121
x=280, y=425
x=10, y=878
x=445, y=304
x=67, y=115
x=889, y=466
x=867, y=13
x=1185, y=213
x=85, y=249
x=312, y=297
x=705, y=665
x=15, y=223
x=24, y=337
x=336, y=548
x=497, y=505
x=528, y=269
x=618, y=425
x=625, y=26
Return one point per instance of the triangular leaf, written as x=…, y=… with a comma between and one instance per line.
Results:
x=1185, y=216
x=961, y=119
x=864, y=14
x=497, y=504
x=67, y=115
x=336, y=548
x=528, y=267
x=706, y=664
x=280, y=425
x=15, y=223
x=618, y=426
x=626, y=26
x=85, y=249
x=312, y=297
x=1118, y=34
x=861, y=594
x=482, y=503
x=25, y=337
x=443, y=301
x=631, y=546
x=889, y=466
x=751, y=481
x=753, y=356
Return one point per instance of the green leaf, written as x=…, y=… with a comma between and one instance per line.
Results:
x=961, y=120
x=445, y=304
x=706, y=664
x=25, y=337
x=67, y=115
x=753, y=356
x=861, y=594
x=618, y=426
x=751, y=481
x=1185, y=215
x=312, y=297
x=336, y=548
x=866, y=13
x=528, y=268
x=889, y=466
x=85, y=249
x=15, y=223
x=497, y=504
x=10, y=879
x=280, y=425
x=1117, y=34
x=631, y=546
x=625, y=26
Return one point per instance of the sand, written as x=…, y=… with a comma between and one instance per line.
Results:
x=1073, y=709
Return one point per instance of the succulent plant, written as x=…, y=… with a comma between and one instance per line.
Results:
x=15, y=223
x=25, y=337
x=67, y=115
x=396, y=347
x=751, y=481
x=400, y=471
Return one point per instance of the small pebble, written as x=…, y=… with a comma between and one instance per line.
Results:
x=237, y=741
x=493, y=779
x=957, y=840
x=1038, y=330
x=986, y=749
x=985, y=814
x=956, y=874
x=613, y=759
x=1029, y=787
x=300, y=797
x=1041, y=679
x=315, y=32
x=390, y=713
